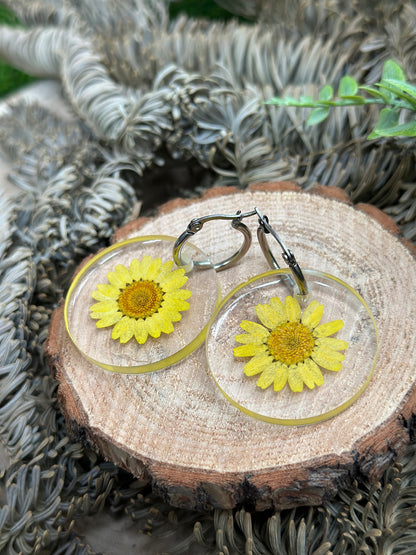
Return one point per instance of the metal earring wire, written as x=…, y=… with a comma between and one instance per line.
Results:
x=265, y=229
x=197, y=224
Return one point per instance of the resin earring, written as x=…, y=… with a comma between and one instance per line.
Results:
x=142, y=305
x=291, y=346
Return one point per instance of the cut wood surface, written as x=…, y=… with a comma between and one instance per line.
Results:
x=175, y=429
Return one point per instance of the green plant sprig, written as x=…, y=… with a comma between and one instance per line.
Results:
x=393, y=92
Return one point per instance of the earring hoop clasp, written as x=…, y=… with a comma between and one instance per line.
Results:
x=264, y=229
x=288, y=256
x=197, y=224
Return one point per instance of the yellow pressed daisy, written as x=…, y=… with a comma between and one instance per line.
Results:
x=144, y=299
x=288, y=346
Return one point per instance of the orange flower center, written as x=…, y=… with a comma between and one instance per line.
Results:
x=141, y=299
x=290, y=343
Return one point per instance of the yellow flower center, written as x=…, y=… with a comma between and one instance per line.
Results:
x=141, y=299
x=290, y=343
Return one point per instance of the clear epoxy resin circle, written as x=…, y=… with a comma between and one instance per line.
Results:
x=339, y=390
x=97, y=345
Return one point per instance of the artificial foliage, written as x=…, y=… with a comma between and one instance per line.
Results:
x=151, y=96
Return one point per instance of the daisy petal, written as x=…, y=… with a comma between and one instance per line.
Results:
x=100, y=315
x=105, y=306
x=312, y=314
x=153, y=269
x=152, y=327
x=328, y=329
x=170, y=312
x=267, y=315
x=108, y=290
x=295, y=379
x=123, y=330
x=329, y=353
x=306, y=375
x=177, y=304
x=114, y=279
x=292, y=309
x=332, y=343
x=249, y=350
x=257, y=333
x=98, y=296
x=267, y=377
x=138, y=268
x=165, y=269
x=331, y=360
x=181, y=294
x=279, y=309
x=135, y=269
x=256, y=330
x=281, y=376
x=247, y=338
x=126, y=335
x=164, y=322
x=109, y=319
x=145, y=264
x=123, y=274
x=257, y=364
x=314, y=371
x=140, y=331
x=175, y=280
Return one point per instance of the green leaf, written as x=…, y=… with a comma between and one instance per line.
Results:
x=275, y=101
x=404, y=130
x=347, y=87
x=307, y=100
x=317, y=115
x=355, y=99
x=374, y=135
x=325, y=103
x=403, y=86
x=376, y=93
x=326, y=93
x=287, y=101
x=303, y=102
x=392, y=70
x=402, y=90
x=387, y=125
x=388, y=118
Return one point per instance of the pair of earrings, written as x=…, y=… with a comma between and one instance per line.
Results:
x=146, y=303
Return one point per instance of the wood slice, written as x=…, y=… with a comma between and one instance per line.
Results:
x=176, y=430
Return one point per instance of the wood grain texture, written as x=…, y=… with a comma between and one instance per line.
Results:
x=175, y=429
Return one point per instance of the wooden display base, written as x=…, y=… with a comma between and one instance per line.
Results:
x=175, y=429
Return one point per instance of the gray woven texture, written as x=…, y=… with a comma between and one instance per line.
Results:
x=180, y=101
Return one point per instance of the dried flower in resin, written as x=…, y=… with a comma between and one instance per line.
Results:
x=144, y=299
x=288, y=346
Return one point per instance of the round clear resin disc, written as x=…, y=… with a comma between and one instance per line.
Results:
x=339, y=390
x=96, y=344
